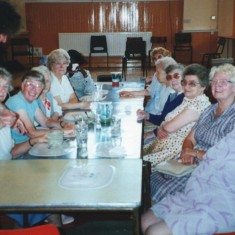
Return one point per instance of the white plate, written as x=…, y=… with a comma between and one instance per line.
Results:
x=42, y=150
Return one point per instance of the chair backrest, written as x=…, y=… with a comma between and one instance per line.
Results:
x=158, y=41
x=135, y=48
x=20, y=42
x=104, y=78
x=21, y=47
x=98, y=44
x=220, y=45
x=183, y=39
x=47, y=229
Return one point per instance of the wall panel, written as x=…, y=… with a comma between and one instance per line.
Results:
x=45, y=20
x=163, y=18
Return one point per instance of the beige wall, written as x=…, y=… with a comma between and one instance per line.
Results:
x=197, y=15
x=226, y=23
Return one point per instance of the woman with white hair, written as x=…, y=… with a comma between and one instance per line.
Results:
x=158, y=89
x=61, y=89
x=46, y=102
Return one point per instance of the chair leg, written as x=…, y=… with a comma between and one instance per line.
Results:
x=124, y=64
x=90, y=61
x=107, y=61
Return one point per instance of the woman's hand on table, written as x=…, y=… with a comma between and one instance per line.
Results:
x=69, y=131
x=141, y=114
x=126, y=94
x=187, y=156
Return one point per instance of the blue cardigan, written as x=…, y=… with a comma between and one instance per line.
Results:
x=168, y=107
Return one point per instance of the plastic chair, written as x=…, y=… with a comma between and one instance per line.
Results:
x=156, y=41
x=47, y=229
x=183, y=43
x=104, y=78
x=135, y=50
x=98, y=44
x=214, y=55
x=21, y=47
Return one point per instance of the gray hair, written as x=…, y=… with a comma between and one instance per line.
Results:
x=34, y=75
x=44, y=70
x=56, y=55
x=5, y=75
x=227, y=69
x=165, y=62
x=172, y=67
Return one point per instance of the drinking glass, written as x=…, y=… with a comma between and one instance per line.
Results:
x=55, y=138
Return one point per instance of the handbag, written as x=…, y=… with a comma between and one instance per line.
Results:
x=175, y=168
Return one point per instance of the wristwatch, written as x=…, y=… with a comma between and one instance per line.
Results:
x=196, y=159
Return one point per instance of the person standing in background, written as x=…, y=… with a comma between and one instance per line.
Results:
x=9, y=21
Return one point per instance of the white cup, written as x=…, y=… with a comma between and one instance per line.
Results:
x=55, y=138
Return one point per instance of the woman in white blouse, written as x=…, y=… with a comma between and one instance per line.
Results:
x=61, y=89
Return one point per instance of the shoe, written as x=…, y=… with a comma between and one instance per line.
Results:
x=67, y=219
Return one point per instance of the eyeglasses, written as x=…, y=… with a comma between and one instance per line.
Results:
x=190, y=83
x=4, y=86
x=61, y=64
x=223, y=83
x=35, y=85
x=170, y=77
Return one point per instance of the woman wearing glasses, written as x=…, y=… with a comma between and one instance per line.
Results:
x=205, y=204
x=179, y=122
x=214, y=124
x=25, y=104
x=158, y=90
x=61, y=89
x=173, y=77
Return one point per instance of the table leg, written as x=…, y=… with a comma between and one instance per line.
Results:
x=136, y=221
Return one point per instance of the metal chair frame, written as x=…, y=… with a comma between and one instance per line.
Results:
x=98, y=44
x=21, y=47
x=208, y=56
x=183, y=43
x=135, y=51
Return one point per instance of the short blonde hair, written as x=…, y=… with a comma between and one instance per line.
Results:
x=227, y=69
x=160, y=50
x=56, y=55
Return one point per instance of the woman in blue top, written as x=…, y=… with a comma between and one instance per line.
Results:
x=79, y=77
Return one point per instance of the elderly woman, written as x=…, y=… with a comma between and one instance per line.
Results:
x=158, y=90
x=79, y=77
x=173, y=77
x=156, y=54
x=25, y=104
x=206, y=205
x=213, y=125
x=179, y=122
x=8, y=119
x=61, y=89
x=46, y=102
